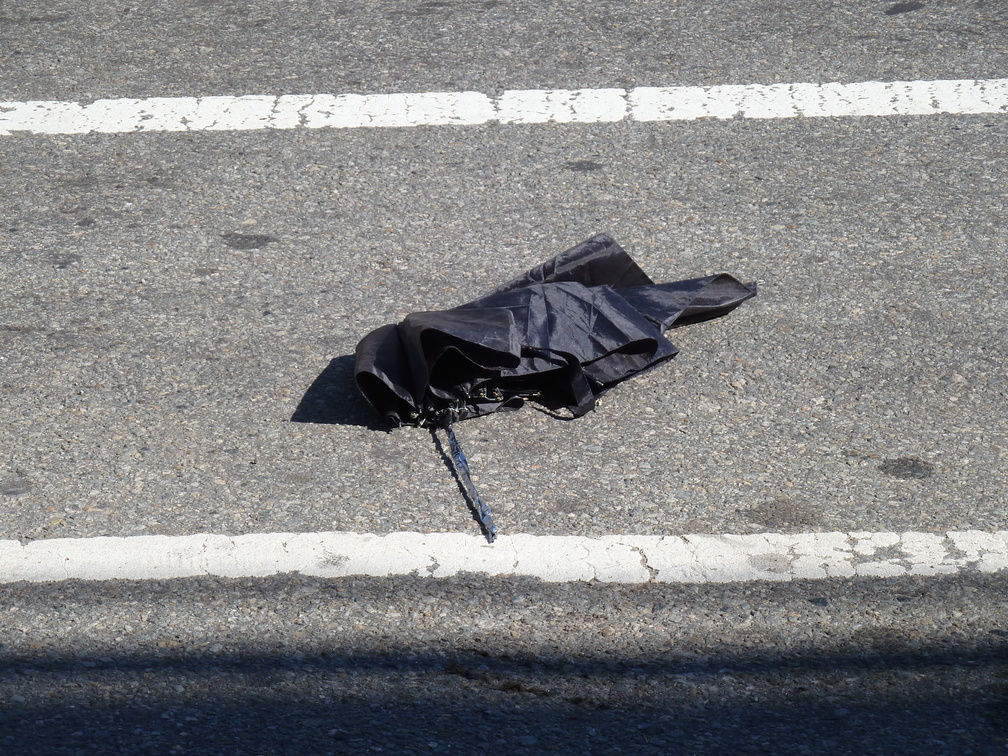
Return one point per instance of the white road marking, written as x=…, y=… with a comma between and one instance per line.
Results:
x=342, y=111
x=609, y=559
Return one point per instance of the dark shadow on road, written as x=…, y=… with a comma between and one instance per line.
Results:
x=465, y=703
x=475, y=665
x=339, y=678
x=333, y=399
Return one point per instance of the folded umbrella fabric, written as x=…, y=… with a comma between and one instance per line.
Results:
x=561, y=334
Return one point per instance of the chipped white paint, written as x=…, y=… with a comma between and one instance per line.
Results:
x=609, y=559
x=870, y=98
x=342, y=111
x=561, y=106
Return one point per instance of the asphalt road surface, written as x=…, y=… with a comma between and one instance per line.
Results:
x=178, y=312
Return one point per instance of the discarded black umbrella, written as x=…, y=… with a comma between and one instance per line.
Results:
x=561, y=335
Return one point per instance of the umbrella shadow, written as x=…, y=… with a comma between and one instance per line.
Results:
x=333, y=399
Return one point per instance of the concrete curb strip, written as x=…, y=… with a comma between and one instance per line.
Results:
x=608, y=559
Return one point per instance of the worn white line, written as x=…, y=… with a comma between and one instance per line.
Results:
x=608, y=559
x=405, y=109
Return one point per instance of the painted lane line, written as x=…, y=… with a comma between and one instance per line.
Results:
x=608, y=559
x=342, y=111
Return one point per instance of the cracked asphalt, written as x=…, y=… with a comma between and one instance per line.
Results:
x=179, y=312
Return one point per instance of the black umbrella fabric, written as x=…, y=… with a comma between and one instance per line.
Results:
x=561, y=335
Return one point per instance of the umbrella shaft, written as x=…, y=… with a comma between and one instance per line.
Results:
x=462, y=467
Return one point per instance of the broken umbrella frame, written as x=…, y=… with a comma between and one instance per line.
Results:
x=561, y=335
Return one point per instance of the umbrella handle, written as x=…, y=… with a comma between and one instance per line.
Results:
x=462, y=467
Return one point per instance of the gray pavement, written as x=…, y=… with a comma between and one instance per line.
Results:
x=171, y=301
x=154, y=360
x=67, y=50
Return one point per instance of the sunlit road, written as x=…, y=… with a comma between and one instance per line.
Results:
x=182, y=294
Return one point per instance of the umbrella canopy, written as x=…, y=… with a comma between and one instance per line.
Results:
x=562, y=334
